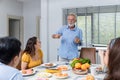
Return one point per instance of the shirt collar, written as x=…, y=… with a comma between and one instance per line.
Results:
x=73, y=29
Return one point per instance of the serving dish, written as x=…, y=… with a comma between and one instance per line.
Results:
x=48, y=65
x=28, y=72
x=79, y=71
x=61, y=75
x=44, y=75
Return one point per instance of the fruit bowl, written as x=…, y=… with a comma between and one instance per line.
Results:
x=79, y=71
x=79, y=60
x=80, y=65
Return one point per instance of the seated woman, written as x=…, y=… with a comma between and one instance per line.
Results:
x=32, y=55
x=111, y=59
x=9, y=58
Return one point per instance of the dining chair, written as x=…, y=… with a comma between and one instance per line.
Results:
x=89, y=53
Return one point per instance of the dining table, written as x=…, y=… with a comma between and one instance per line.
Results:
x=71, y=74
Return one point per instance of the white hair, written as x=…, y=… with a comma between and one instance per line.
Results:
x=73, y=14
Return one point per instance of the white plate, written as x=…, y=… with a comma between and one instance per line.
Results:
x=61, y=77
x=79, y=72
x=44, y=75
x=81, y=78
x=63, y=67
x=29, y=74
x=43, y=65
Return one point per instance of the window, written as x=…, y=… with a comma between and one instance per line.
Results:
x=99, y=24
x=86, y=28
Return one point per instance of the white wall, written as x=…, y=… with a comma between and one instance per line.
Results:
x=8, y=7
x=31, y=9
x=51, y=19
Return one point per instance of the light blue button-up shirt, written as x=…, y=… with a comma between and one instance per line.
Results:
x=9, y=73
x=68, y=48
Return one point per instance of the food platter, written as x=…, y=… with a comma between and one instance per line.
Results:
x=83, y=78
x=48, y=65
x=61, y=75
x=63, y=67
x=44, y=75
x=42, y=79
x=28, y=72
x=52, y=71
x=79, y=72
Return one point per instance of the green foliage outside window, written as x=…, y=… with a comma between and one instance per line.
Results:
x=99, y=28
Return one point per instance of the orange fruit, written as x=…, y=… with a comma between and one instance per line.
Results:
x=83, y=67
x=78, y=65
x=90, y=77
x=87, y=65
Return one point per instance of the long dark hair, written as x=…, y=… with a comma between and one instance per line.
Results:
x=30, y=49
x=9, y=48
x=114, y=60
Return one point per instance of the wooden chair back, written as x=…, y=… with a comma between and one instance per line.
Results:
x=89, y=53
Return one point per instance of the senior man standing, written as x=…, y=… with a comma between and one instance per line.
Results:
x=71, y=38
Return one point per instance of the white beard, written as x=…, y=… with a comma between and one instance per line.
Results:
x=71, y=25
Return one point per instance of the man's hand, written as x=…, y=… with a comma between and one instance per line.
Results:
x=56, y=36
x=77, y=40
